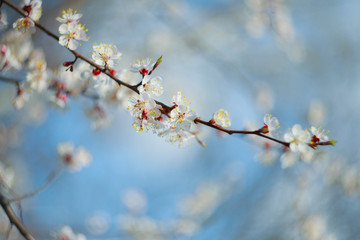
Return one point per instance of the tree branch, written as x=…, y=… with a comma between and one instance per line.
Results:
x=134, y=88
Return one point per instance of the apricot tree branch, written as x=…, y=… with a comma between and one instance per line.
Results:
x=135, y=88
x=230, y=132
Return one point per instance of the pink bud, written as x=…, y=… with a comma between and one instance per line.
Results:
x=96, y=72
x=112, y=72
x=66, y=64
x=264, y=129
x=3, y=49
x=27, y=8
x=144, y=71
x=19, y=91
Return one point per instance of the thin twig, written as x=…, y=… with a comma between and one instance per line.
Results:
x=52, y=176
x=230, y=132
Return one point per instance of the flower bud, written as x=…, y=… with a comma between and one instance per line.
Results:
x=112, y=72
x=96, y=72
x=66, y=64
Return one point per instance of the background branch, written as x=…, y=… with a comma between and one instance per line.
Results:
x=14, y=220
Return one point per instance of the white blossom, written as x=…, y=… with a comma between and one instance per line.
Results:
x=71, y=34
x=221, y=118
x=37, y=80
x=69, y=16
x=24, y=24
x=146, y=112
x=271, y=125
x=74, y=158
x=19, y=44
x=33, y=10
x=37, y=61
x=66, y=233
x=152, y=86
x=105, y=54
x=74, y=82
x=142, y=66
x=181, y=117
x=7, y=61
x=318, y=134
x=298, y=139
x=140, y=105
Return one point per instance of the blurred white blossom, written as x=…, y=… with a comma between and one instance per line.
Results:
x=73, y=158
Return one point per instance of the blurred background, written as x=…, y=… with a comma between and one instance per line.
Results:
x=296, y=59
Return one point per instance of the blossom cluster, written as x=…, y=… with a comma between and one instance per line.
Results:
x=299, y=143
x=17, y=51
x=33, y=10
x=72, y=31
x=175, y=124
